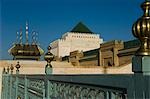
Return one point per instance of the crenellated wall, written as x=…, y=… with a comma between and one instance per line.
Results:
x=72, y=41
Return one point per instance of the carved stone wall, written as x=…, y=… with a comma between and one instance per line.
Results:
x=109, y=53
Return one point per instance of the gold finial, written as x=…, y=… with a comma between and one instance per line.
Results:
x=146, y=7
x=141, y=30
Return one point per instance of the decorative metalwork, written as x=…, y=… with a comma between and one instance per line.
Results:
x=20, y=38
x=27, y=32
x=71, y=87
x=26, y=51
x=17, y=38
x=48, y=57
x=11, y=68
x=17, y=67
x=141, y=30
x=4, y=70
x=36, y=39
x=21, y=81
x=33, y=37
x=59, y=90
x=13, y=80
x=36, y=85
x=8, y=70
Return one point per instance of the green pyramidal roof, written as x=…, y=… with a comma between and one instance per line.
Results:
x=81, y=28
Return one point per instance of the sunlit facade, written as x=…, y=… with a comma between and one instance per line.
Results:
x=80, y=38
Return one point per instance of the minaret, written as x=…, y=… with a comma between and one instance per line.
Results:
x=27, y=32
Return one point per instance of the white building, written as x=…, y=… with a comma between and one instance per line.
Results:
x=80, y=38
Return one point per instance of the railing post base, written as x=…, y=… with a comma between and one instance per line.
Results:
x=141, y=69
x=141, y=65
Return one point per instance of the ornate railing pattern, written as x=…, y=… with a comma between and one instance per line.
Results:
x=49, y=87
x=63, y=91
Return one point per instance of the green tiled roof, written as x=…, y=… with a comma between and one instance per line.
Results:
x=91, y=52
x=89, y=59
x=94, y=52
x=131, y=44
x=81, y=28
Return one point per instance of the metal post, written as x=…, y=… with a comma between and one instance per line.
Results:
x=48, y=90
x=44, y=90
x=26, y=88
x=3, y=83
x=17, y=67
x=48, y=69
x=107, y=95
x=10, y=89
x=141, y=60
x=16, y=85
x=48, y=57
x=17, y=79
x=141, y=69
x=112, y=95
x=5, y=87
x=7, y=83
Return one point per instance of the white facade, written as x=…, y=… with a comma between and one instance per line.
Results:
x=72, y=41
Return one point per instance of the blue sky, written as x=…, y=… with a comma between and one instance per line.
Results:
x=112, y=19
